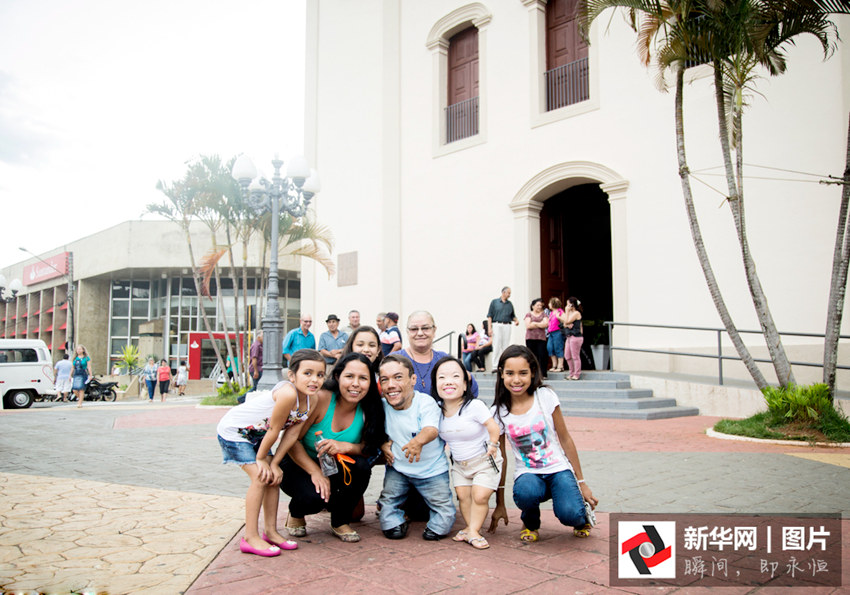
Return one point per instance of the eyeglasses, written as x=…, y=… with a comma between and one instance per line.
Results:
x=425, y=329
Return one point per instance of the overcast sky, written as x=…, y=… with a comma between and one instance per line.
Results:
x=99, y=99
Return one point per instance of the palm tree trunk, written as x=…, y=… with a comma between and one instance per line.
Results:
x=233, y=279
x=696, y=234
x=838, y=281
x=220, y=301
x=736, y=202
x=185, y=225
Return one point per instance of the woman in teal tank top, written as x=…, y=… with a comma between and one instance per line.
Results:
x=351, y=418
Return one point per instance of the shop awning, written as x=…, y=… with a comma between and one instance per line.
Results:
x=48, y=329
x=49, y=311
x=64, y=306
x=64, y=326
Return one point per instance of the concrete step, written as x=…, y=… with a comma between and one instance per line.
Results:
x=599, y=394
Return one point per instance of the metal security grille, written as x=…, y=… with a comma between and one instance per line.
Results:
x=462, y=119
x=567, y=84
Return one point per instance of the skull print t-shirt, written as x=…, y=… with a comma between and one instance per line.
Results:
x=532, y=436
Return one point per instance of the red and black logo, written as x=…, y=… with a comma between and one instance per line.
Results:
x=646, y=549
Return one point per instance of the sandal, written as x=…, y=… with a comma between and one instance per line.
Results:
x=479, y=543
x=347, y=536
x=529, y=536
x=296, y=531
x=582, y=531
x=461, y=536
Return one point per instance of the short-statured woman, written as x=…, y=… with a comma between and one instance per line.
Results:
x=351, y=418
x=471, y=346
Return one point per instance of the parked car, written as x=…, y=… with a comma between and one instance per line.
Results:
x=26, y=372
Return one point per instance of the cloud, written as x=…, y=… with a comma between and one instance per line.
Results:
x=23, y=139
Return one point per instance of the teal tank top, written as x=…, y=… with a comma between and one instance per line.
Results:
x=353, y=433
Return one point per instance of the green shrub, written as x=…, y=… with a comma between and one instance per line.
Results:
x=798, y=403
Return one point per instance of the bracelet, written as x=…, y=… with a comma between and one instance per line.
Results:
x=501, y=487
x=581, y=481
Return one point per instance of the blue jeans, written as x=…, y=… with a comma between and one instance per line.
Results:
x=434, y=490
x=151, y=387
x=531, y=489
x=467, y=360
x=555, y=344
x=255, y=381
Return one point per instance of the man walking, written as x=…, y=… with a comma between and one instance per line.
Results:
x=499, y=318
x=332, y=341
x=299, y=338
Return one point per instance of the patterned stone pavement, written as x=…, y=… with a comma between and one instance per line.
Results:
x=132, y=498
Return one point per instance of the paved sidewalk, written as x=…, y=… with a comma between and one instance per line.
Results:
x=132, y=498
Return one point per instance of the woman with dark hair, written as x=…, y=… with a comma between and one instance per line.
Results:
x=467, y=427
x=536, y=324
x=350, y=417
x=482, y=348
x=572, y=329
x=546, y=462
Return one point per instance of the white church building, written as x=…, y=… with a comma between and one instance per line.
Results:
x=467, y=146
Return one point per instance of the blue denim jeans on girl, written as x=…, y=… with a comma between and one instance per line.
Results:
x=531, y=489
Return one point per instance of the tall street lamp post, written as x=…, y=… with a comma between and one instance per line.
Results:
x=290, y=194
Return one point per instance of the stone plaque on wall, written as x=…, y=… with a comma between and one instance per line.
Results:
x=346, y=269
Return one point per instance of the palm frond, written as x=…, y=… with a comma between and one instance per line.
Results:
x=206, y=268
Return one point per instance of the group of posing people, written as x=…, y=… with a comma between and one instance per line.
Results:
x=402, y=409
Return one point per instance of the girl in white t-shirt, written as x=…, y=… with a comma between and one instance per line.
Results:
x=473, y=438
x=545, y=456
x=247, y=434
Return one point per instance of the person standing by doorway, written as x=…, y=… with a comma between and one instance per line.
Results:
x=536, y=323
x=575, y=338
x=500, y=315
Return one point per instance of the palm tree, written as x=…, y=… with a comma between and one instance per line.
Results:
x=738, y=36
x=671, y=27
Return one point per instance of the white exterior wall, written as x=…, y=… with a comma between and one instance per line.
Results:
x=434, y=227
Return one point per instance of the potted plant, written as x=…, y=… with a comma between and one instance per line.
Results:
x=130, y=363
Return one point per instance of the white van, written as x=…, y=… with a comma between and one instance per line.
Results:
x=26, y=372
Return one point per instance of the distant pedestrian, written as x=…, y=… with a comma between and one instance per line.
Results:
x=63, y=376
x=470, y=344
x=483, y=347
x=555, y=341
x=82, y=373
x=575, y=337
x=500, y=315
x=149, y=374
x=255, y=367
x=182, y=378
x=163, y=374
x=536, y=323
x=380, y=322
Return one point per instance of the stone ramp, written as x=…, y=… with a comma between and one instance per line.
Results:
x=600, y=394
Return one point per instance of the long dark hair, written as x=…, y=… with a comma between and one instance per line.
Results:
x=467, y=393
x=349, y=345
x=374, y=434
x=503, y=395
x=304, y=355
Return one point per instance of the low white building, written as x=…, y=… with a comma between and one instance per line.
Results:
x=468, y=146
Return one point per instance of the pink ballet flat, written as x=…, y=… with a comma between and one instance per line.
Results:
x=284, y=545
x=246, y=548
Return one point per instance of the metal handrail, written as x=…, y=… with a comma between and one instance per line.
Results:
x=719, y=355
x=441, y=337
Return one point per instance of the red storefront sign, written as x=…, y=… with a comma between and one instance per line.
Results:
x=52, y=267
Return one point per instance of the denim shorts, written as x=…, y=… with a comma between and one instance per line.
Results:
x=238, y=453
x=477, y=471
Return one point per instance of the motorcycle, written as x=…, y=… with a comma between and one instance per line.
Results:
x=98, y=391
